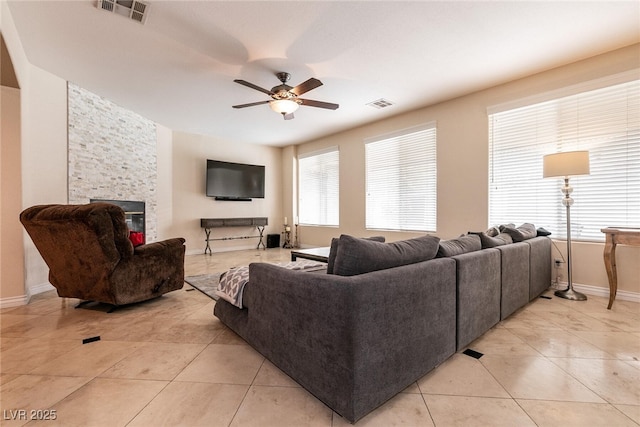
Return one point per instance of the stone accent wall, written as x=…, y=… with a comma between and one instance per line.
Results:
x=112, y=154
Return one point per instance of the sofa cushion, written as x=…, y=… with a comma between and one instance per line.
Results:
x=489, y=241
x=492, y=232
x=334, y=249
x=357, y=256
x=461, y=245
x=524, y=232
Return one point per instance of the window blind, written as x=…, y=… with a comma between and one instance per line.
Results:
x=401, y=181
x=606, y=122
x=319, y=184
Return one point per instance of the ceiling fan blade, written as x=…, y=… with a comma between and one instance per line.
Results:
x=251, y=104
x=319, y=104
x=306, y=86
x=288, y=116
x=252, y=86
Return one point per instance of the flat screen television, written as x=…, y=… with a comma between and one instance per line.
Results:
x=234, y=181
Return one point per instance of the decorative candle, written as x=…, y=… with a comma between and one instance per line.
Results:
x=285, y=220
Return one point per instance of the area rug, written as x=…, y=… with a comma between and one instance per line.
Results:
x=205, y=283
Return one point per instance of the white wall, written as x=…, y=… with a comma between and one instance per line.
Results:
x=463, y=152
x=190, y=153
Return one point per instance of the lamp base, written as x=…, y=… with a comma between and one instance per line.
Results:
x=570, y=294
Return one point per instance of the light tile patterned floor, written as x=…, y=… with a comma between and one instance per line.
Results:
x=171, y=362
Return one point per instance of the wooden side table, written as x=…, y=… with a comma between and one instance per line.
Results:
x=614, y=236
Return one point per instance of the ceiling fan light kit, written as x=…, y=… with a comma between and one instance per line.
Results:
x=285, y=98
x=284, y=106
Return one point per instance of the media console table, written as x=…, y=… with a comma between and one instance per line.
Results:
x=615, y=236
x=209, y=223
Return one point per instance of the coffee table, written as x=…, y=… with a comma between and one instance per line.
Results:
x=315, y=254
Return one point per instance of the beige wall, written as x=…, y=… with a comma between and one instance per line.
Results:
x=43, y=115
x=164, y=194
x=12, y=289
x=190, y=153
x=44, y=156
x=462, y=167
x=181, y=167
x=462, y=132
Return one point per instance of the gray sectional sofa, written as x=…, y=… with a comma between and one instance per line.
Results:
x=387, y=313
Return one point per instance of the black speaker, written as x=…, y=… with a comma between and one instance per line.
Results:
x=273, y=240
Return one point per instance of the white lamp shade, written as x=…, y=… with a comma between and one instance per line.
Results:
x=284, y=106
x=566, y=164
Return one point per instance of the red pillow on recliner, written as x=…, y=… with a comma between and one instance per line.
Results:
x=136, y=237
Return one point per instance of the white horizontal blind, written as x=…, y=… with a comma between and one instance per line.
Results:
x=606, y=122
x=401, y=181
x=319, y=184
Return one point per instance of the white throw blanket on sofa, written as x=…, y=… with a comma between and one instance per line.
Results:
x=233, y=281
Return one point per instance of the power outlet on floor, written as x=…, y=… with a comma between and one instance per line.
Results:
x=557, y=265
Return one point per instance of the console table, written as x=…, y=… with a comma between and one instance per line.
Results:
x=209, y=223
x=616, y=235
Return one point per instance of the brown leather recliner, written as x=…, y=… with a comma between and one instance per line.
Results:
x=90, y=256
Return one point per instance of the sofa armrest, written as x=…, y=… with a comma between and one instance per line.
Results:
x=355, y=341
x=540, y=266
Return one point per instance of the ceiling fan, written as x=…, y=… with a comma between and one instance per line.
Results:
x=285, y=98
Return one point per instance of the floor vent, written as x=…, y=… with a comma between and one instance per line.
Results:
x=380, y=103
x=133, y=9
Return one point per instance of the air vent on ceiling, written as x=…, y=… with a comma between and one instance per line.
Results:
x=380, y=103
x=132, y=9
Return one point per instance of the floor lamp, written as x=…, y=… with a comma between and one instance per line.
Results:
x=567, y=164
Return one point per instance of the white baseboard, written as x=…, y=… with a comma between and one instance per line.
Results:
x=599, y=291
x=42, y=287
x=14, y=301
x=24, y=299
x=223, y=249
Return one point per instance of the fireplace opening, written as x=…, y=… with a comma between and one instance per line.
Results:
x=134, y=214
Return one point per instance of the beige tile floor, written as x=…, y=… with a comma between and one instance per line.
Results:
x=171, y=362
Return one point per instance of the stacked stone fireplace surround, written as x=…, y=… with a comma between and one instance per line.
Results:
x=112, y=154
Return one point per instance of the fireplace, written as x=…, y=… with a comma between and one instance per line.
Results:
x=134, y=213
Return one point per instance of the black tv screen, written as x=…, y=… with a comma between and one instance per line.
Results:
x=234, y=181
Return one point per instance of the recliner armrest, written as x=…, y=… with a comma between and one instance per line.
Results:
x=154, y=248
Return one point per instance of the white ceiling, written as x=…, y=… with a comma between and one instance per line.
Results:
x=178, y=68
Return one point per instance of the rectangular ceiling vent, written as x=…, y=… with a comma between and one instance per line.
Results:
x=380, y=103
x=132, y=9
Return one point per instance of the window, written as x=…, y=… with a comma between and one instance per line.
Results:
x=319, y=184
x=401, y=180
x=606, y=122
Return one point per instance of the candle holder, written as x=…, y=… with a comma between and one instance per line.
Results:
x=296, y=243
x=286, y=234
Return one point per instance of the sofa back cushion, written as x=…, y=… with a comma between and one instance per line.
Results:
x=333, y=250
x=459, y=246
x=357, y=256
